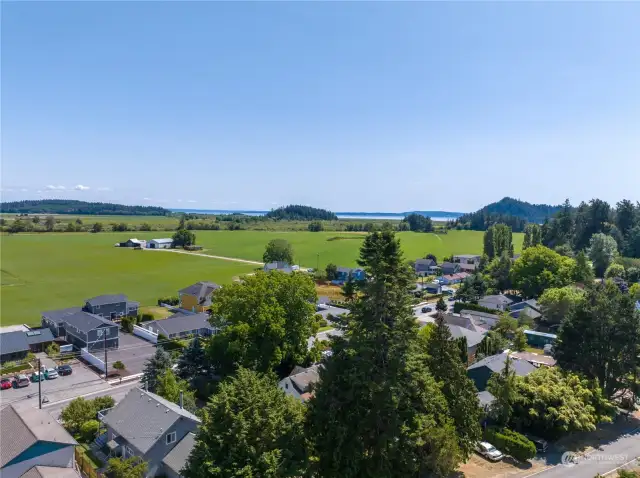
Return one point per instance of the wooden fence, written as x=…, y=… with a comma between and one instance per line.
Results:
x=85, y=466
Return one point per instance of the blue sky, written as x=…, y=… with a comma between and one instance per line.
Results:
x=351, y=106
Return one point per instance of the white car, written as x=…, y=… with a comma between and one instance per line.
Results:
x=489, y=451
x=51, y=373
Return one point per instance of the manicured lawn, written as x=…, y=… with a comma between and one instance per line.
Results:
x=156, y=311
x=53, y=271
x=50, y=271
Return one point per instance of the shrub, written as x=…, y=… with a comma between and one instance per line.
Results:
x=458, y=306
x=511, y=443
x=88, y=430
x=146, y=317
x=170, y=300
x=127, y=324
x=323, y=323
x=53, y=349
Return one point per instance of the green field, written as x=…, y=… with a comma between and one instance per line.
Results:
x=50, y=271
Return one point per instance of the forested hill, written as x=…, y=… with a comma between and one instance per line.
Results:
x=301, y=213
x=512, y=212
x=68, y=206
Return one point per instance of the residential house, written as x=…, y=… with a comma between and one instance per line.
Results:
x=426, y=267
x=181, y=325
x=433, y=288
x=481, y=371
x=299, y=383
x=164, y=243
x=51, y=472
x=539, y=339
x=33, y=438
x=529, y=307
x=147, y=426
x=472, y=337
x=344, y=273
x=498, y=302
x=464, y=321
x=483, y=319
x=111, y=306
x=17, y=344
x=486, y=399
x=197, y=297
x=177, y=458
x=81, y=329
x=536, y=360
x=449, y=268
x=281, y=267
x=456, y=278
x=468, y=262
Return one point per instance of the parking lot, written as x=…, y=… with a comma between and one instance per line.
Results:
x=132, y=352
x=81, y=376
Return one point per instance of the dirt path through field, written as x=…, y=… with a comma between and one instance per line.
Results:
x=234, y=259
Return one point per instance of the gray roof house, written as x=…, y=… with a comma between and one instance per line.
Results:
x=486, y=399
x=111, y=306
x=17, y=344
x=82, y=329
x=425, y=267
x=146, y=425
x=481, y=371
x=197, y=297
x=280, y=266
x=468, y=262
x=181, y=325
x=177, y=458
x=299, y=383
x=498, y=302
x=473, y=338
x=51, y=472
x=449, y=268
x=529, y=307
x=35, y=439
x=481, y=318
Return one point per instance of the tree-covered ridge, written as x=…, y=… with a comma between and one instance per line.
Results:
x=295, y=212
x=69, y=206
x=509, y=211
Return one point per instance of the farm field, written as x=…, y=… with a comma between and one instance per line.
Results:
x=50, y=271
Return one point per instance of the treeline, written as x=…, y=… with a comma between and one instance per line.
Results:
x=573, y=229
x=512, y=212
x=296, y=212
x=67, y=206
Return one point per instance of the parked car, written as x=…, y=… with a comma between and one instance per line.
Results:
x=541, y=445
x=489, y=451
x=65, y=370
x=451, y=299
x=21, y=380
x=5, y=383
x=50, y=373
x=426, y=309
x=37, y=376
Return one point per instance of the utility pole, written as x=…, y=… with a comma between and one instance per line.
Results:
x=39, y=385
x=106, y=370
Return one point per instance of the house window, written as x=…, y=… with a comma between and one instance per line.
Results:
x=100, y=332
x=171, y=438
x=128, y=451
x=97, y=306
x=106, y=331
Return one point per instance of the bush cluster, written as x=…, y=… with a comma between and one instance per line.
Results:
x=511, y=443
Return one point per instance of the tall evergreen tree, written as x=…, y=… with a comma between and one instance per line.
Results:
x=191, y=363
x=155, y=367
x=503, y=387
x=532, y=236
x=583, y=271
x=443, y=358
x=377, y=410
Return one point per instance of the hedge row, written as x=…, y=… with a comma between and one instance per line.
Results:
x=170, y=300
x=458, y=306
x=511, y=443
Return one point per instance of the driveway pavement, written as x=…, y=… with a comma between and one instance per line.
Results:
x=132, y=351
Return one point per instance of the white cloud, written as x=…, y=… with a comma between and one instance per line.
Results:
x=6, y=190
x=191, y=201
x=146, y=199
x=54, y=188
x=104, y=189
x=179, y=200
x=80, y=187
x=24, y=190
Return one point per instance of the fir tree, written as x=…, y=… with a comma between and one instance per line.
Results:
x=191, y=363
x=155, y=367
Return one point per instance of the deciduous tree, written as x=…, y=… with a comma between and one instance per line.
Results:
x=583, y=272
x=539, y=268
x=377, y=410
x=332, y=271
x=556, y=303
x=278, y=250
x=603, y=250
x=126, y=468
x=532, y=236
x=169, y=387
x=615, y=270
x=183, y=238
x=250, y=428
x=499, y=271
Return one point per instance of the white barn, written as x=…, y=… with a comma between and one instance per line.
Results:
x=160, y=243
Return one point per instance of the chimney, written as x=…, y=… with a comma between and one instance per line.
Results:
x=181, y=395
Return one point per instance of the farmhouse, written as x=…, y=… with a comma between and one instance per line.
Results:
x=17, y=344
x=134, y=243
x=114, y=306
x=33, y=440
x=81, y=329
x=197, y=297
x=147, y=426
x=160, y=243
x=181, y=325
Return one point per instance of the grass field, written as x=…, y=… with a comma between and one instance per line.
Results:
x=42, y=272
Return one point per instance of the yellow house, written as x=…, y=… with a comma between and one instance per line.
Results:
x=197, y=297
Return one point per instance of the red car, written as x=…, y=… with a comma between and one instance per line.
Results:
x=5, y=383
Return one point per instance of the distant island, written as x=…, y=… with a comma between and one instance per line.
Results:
x=513, y=212
x=69, y=206
x=296, y=212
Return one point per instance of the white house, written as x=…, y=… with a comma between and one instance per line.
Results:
x=164, y=243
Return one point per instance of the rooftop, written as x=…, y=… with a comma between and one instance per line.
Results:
x=302, y=380
x=58, y=315
x=164, y=240
x=541, y=334
x=496, y=364
x=535, y=358
x=12, y=342
x=38, y=336
x=497, y=299
x=467, y=256
x=27, y=426
x=84, y=321
x=106, y=299
x=180, y=322
x=485, y=398
x=142, y=418
x=176, y=459
x=473, y=337
x=201, y=290
x=51, y=472
x=478, y=313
